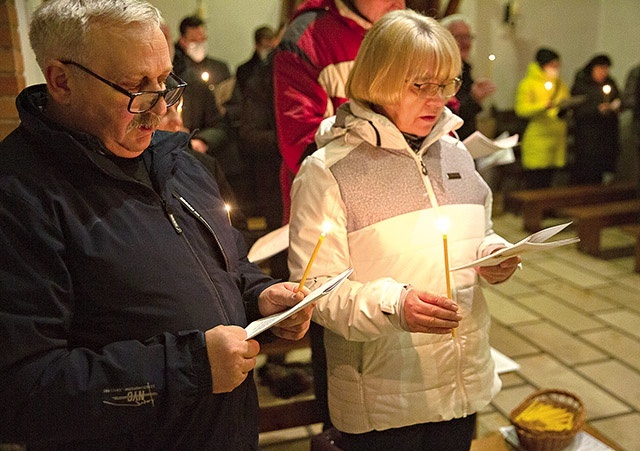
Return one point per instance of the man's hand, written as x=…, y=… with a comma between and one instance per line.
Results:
x=427, y=313
x=231, y=357
x=282, y=296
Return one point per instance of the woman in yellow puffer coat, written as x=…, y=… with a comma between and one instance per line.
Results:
x=539, y=98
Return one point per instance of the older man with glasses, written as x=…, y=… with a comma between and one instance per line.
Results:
x=124, y=288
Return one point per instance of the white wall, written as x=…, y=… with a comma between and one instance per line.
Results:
x=230, y=23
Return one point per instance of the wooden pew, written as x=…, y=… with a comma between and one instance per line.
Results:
x=534, y=205
x=591, y=219
x=634, y=229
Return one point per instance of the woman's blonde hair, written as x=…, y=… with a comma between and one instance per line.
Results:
x=402, y=47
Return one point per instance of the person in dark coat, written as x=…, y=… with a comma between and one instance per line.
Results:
x=125, y=291
x=596, y=125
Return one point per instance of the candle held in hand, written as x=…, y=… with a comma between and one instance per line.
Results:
x=227, y=207
x=492, y=58
x=443, y=225
x=606, y=90
x=325, y=229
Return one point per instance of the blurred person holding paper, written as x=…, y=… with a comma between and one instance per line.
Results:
x=386, y=171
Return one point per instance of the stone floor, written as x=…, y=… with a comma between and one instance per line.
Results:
x=571, y=321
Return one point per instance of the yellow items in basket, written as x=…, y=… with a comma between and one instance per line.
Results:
x=541, y=416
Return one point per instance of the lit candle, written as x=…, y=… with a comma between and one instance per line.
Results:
x=548, y=85
x=443, y=225
x=325, y=229
x=205, y=76
x=492, y=58
x=606, y=90
x=227, y=207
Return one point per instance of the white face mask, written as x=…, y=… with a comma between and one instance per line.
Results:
x=197, y=51
x=552, y=72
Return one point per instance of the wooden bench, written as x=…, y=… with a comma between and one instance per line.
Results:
x=591, y=219
x=534, y=205
x=634, y=229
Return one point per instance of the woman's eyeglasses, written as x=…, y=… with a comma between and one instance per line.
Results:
x=446, y=90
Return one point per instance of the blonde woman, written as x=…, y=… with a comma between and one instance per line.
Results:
x=386, y=170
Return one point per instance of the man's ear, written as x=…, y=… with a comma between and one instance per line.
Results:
x=58, y=82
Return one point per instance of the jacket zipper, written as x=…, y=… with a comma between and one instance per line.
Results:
x=454, y=340
x=172, y=218
x=203, y=221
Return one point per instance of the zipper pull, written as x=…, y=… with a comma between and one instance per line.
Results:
x=424, y=168
x=171, y=217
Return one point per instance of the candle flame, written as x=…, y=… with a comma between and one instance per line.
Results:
x=548, y=85
x=442, y=223
x=606, y=89
x=326, y=226
x=227, y=207
x=205, y=76
x=492, y=57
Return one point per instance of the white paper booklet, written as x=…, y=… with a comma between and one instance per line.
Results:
x=532, y=243
x=479, y=145
x=269, y=245
x=262, y=324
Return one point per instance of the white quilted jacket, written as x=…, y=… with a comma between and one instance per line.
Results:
x=373, y=189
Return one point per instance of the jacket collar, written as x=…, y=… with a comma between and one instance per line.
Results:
x=355, y=121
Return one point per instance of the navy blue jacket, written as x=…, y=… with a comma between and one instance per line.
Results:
x=106, y=288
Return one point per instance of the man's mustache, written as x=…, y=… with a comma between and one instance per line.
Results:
x=148, y=120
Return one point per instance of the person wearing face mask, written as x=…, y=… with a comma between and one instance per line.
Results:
x=596, y=129
x=539, y=99
x=191, y=52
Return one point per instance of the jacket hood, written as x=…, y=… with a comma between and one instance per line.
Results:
x=534, y=71
x=356, y=123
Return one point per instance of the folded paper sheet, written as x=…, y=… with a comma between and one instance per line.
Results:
x=265, y=323
x=269, y=245
x=533, y=243
x=479, y=145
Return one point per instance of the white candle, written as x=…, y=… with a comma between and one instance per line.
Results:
x=325, y=229
x=492, y=58
x=227, y=207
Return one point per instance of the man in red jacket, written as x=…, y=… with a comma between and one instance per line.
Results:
x=311, y=69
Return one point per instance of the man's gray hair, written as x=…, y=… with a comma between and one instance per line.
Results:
x=60, y=28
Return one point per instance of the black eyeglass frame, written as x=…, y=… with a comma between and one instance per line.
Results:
x=181, y=85
x=457, y=82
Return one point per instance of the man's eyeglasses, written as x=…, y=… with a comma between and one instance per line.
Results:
x=143, y=101
x=446, y=90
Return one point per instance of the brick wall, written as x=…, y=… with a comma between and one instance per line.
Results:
x=11, y=67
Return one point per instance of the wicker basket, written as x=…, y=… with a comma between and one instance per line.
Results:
x=536, y=440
